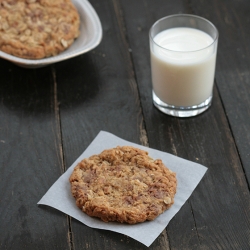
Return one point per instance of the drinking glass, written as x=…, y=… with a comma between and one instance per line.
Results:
x=183, y=51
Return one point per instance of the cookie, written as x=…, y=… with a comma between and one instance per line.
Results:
x=123, y=184
x=35, y=29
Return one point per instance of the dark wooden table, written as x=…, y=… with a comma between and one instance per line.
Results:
x=48, y=117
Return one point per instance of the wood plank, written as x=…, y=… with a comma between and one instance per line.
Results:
x=220, y=204
x=139, y=17
x=233, y=64
x=29, y=160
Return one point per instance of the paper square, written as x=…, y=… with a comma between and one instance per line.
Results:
x=188, y=176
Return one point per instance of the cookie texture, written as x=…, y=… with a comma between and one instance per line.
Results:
x=35, y=29
x=123, y=184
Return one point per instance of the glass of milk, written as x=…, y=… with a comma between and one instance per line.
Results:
x=183, y=52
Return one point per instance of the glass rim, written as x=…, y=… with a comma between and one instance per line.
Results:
x=184, y=15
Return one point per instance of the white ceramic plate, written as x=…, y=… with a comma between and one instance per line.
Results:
x=90, y=37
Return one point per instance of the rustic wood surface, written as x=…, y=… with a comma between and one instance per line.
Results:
x=48, y=117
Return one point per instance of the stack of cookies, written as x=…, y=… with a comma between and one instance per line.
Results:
x=123, y=184
x=35, y=29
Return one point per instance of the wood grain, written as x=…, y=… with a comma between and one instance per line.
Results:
x=233, y=64
x=30, y=160
x=206, y=139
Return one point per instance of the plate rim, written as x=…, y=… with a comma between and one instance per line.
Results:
x=95, y=41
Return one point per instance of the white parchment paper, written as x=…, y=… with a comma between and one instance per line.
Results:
x=188, y=175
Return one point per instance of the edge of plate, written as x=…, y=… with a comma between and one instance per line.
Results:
x=95, y=41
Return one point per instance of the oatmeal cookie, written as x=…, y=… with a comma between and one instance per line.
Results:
x=34, y=29
x=123, y=184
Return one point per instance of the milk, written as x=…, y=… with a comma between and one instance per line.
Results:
x=183, y=66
